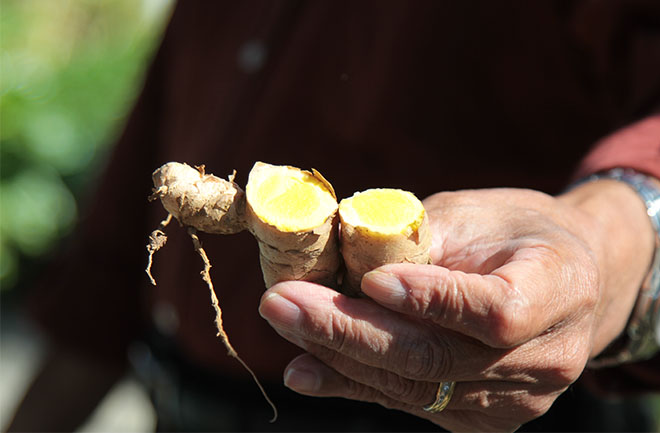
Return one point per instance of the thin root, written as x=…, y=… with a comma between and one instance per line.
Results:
x=206, y=276
x=157, y=240
x=158, y=193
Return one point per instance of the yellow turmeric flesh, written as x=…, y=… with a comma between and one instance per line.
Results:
x=289, y=199
x=381, y=226
x=293, y=215
x=383, y=211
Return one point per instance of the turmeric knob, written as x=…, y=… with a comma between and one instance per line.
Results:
x=196, y=199
x=293, y=215
x=381, y=226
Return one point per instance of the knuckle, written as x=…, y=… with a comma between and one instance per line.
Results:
x=524, y=403
x=429, y=301
x=341, y=332
x=338, y=339
x=572, y=357
x=508, y=322
x=357, y=391
x=405, y=390
x=441, y=303
x=426, y=359
x=566, y=374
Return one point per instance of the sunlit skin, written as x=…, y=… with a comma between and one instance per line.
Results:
x=524, y=289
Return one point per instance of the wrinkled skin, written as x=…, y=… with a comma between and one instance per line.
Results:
x=510, y=309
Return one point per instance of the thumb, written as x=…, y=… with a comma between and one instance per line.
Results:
x=485, y=307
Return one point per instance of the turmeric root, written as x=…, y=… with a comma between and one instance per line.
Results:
x=200, y=200
x=381, y=226
x=294, y=216
x=291, y=212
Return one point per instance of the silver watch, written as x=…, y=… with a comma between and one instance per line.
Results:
x=641, y=338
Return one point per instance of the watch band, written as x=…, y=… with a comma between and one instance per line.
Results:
x=641, y=338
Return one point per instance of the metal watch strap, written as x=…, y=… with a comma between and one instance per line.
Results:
x=641, y=338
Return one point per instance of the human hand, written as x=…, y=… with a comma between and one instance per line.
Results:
x=511, y=310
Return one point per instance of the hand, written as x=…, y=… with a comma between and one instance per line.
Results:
x=511, y=309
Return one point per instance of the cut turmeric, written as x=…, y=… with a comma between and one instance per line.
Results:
x=291, y=212
x=295, y=218
x=381, y=226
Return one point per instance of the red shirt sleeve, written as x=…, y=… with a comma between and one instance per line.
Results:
x=636, y=146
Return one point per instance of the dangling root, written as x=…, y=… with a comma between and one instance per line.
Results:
x=206, y=276
x=157, y=240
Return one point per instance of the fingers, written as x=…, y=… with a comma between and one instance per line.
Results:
x=454, y=299
x=491, y=392
x=308, y=375
x=363, y=351
x=516, y=302
x=319, y=319
x=489, y=404
x=335, y=328
x=357, y=328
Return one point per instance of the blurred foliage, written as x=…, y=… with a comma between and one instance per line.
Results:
x=69, y=72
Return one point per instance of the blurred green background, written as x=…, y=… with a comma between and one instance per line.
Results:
x=70, y=70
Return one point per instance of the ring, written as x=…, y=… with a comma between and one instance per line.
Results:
x=442, y=397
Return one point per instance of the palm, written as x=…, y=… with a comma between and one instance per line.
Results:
x=479, y=231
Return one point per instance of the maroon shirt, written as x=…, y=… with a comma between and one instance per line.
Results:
x=425, y=96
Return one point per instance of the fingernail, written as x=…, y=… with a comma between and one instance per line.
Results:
x=279, y=311
x=301, y=380
x=384, y=287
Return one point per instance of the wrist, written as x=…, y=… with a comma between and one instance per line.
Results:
x=636, y=208
x=622, y=238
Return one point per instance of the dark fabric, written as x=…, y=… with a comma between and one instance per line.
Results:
x=421, y=95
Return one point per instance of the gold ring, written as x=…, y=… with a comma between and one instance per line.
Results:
x=442, y=397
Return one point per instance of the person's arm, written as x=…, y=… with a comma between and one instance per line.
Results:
x=65, y=392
